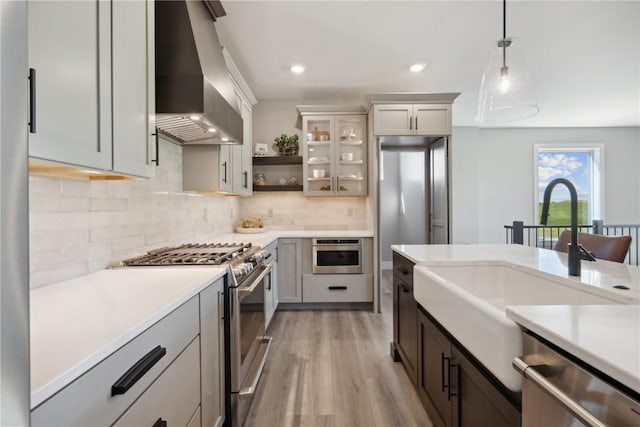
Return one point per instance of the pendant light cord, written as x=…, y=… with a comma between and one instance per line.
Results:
x=504, y=33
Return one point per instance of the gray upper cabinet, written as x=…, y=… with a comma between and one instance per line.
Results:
x=241, y=155
x=93, y=100
x=69, y=47
x=334, y=151
x=412, y=119
x=133, y=86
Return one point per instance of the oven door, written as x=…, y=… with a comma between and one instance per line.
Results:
x=249, y=345
x=337, y=259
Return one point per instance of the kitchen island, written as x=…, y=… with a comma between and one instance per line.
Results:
x=464, y=300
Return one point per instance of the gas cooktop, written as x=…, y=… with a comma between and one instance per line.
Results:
x=193, y=254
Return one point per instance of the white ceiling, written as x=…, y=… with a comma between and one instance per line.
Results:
x=584, y=56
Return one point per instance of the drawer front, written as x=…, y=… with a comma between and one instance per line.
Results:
x=337, y=288
x=403, y=269
x=173, y=397
x=88, y=400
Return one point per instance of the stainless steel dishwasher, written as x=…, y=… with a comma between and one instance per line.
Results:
x=559, y=392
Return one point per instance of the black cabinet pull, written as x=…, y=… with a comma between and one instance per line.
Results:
x=337, y=288
x=32, y=100
x=403, y=270
x=160, y=423
x=137, y=371
x=157, y=159
x=245, y=174
x=410, y=122
x=442, y=370
x=224, y=165
x=448, y=387
x=416, y=122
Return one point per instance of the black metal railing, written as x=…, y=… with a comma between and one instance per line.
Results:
x=546, y=236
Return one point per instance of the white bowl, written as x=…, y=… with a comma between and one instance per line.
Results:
x=318, y=173
x=347, y=157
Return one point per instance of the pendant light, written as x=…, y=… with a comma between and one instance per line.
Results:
x=506, y=92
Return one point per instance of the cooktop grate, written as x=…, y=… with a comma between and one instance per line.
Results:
x=191, y=254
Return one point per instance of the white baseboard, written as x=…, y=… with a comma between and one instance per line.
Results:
x=386, y=265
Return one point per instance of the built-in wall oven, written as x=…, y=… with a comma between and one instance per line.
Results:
x=337, y=256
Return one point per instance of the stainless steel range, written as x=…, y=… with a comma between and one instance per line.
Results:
x=246, y=343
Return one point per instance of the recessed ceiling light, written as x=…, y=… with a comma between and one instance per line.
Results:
x=416, y=68
x=212, y=130
x=195, y=118
x=297, y=69
x=225, y=139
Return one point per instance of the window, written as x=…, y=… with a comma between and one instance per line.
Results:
x=582, y=165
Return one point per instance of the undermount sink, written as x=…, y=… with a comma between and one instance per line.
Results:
x=469, y=300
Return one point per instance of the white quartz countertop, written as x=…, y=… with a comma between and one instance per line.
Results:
x=263, y=239
x=600, y=275
x=606, y=337
x=77, y=323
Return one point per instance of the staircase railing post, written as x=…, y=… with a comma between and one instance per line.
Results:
x=517, y=237
x=598, y=226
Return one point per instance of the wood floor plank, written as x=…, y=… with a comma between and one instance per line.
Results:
x=332, y=368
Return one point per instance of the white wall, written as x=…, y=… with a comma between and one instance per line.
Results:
x=77, y=227
x=282, y=210
x=492, y=176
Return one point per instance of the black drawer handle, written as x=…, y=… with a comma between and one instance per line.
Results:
x=403, y=270
x=157, y=159
x=160, y=423
x=337, y=288
x=137, y=371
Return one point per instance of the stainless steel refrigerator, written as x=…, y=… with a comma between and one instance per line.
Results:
x=14, y=216
x=413, y=193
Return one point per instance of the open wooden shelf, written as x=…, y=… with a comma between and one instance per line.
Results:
x=277, y=188
x=278, y=160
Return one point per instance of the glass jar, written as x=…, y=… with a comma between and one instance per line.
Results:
x=259, y=179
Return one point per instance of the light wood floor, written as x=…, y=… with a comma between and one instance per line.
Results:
x=333, y=368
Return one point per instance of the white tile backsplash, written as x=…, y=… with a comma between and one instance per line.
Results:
x=291, y=210
x=77, y=227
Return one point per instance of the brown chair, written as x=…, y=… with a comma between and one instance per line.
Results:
x=613, y=248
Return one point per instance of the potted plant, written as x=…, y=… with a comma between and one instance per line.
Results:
x=287, y=145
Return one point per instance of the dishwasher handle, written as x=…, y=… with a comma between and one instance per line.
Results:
x=529, y=372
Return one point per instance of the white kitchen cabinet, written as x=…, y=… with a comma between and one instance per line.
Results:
x=225, y=168
x=90, y=400
x=241, y=155
x=133, y=53
x=69, y=47
x=337, y=287
x=412, y=119
x=172, y=398
x=212, y=354
x=289, y=270
x=334, y=151
x=92, y=92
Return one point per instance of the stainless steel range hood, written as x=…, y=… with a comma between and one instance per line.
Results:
x=194, y=94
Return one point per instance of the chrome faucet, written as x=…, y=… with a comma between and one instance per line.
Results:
x=574, y=246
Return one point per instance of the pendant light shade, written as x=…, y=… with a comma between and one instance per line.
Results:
x=506, y=91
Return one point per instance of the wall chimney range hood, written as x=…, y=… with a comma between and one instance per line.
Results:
x=194, y=94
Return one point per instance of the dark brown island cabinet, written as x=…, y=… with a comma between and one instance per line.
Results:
x=404, y=347
x=454, y=387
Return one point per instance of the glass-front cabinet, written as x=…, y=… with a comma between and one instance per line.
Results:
x=334, y=153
